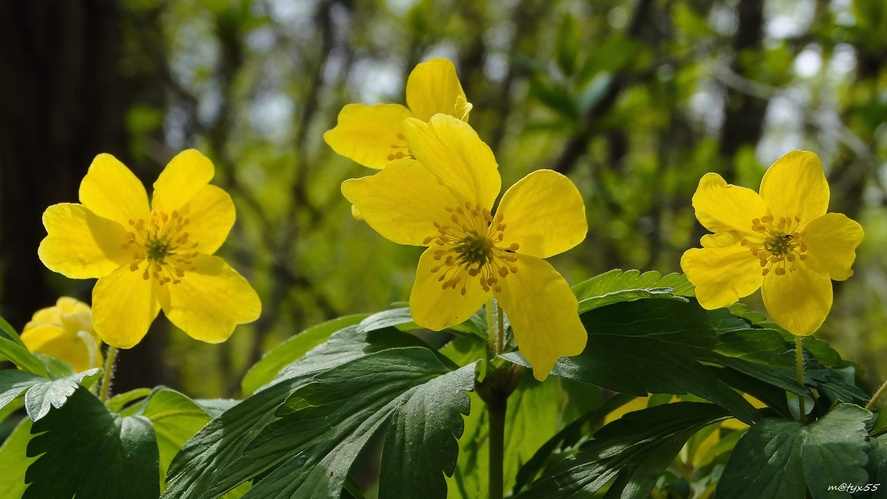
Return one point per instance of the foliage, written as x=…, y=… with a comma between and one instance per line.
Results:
x=631, y=102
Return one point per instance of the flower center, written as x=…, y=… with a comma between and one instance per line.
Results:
x=783, y=245
x=469, y=248
x=401, y=149
x=162, y=243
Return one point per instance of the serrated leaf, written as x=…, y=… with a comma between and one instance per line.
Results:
x=43, y=396
x=634, y=450
x=632, y=280
x=40, y=393
x=617, y=286
x=203, y=459
x=325, y=424
x=778, y=458
x=659, y=346
x=265, y=370
x=86, y=450
x=14, y=461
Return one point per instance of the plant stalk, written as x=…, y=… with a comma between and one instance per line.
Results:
x=106, y=376
x=497, y=409
x=799, y=361
x=876, y=398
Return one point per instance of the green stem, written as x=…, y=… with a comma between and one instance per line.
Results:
x=106, y=377
x=876, y=398
x=799, y=361
x=492, y=341
x=500, y=333
x=497, y=410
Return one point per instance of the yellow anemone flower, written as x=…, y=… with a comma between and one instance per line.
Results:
x=65, y=331
x=443, y=200
x=151, y=257
x=781, y=240
x=373, y=135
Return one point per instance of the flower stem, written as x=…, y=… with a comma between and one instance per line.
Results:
x=500, y=332
x=799, y=361
x=497, y=409
x=492, y=340
x=876, y=398
x=106, y=377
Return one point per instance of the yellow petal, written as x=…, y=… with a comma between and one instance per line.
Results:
x=722, y=274
x=370, y=135
x=433, y=87
x=53, y=340
x=124, y=305
x=543, y=312
x=211, y=215
x=544, y=214
x=112, y=191
x=721, y=207
x=401, y=202
x=210, y=300
x=81, y=245
x=435, y=308
x=799, y=301
x=182, y=178
x=831, y=245
x=795, y=186
x=453, y=152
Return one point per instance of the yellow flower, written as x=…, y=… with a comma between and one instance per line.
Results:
x=373, y=135
x=65, y=331
x=781, y=241
x=151, y=257
x=443, y=199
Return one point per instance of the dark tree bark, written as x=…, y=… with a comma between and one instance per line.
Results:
x=64, y=98
x=743, y=113
x=62, y=104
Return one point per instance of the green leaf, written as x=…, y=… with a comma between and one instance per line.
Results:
x=877, y=466
x=778, y=458
x=175, y=418
x=326, y=423
x=42, y=396
x=620, y=286
x=634, y=450
x=611, y=55
x=402, y=319
x=568, y=437
x=88, y=451
x=204, y=459
x=264, y=371
x=41, y=393
x=8, y=332
x=14, y=460
x=15, y=352
x=118, y=402
x=13, y=383
x=665, y=346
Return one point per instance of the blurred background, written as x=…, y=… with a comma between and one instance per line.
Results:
x=633, y=99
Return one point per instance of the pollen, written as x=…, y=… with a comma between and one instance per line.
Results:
x=783, y=246
x=470, y=248
x=162, y=243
